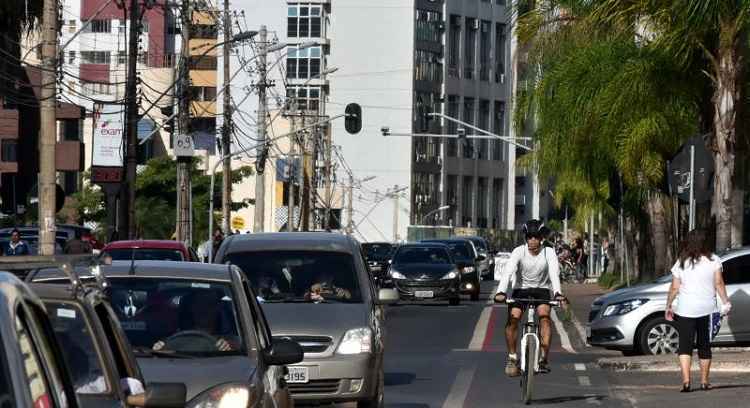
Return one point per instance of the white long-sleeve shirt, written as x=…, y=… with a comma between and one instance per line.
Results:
x=524, y=271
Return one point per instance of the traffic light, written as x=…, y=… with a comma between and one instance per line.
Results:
x=353, y=119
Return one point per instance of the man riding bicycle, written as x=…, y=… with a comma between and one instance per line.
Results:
x=534, y=273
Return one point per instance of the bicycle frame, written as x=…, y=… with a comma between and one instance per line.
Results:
x=530, y=333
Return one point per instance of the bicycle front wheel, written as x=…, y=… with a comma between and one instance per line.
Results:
x=527, y=377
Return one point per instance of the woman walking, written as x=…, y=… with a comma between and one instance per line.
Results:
x=696, y=278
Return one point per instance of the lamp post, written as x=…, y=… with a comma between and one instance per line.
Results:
x=435, y=211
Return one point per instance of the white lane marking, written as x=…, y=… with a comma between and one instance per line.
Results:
x=580, y=366
x=584, y=380
x=480, y=330
x=579, y=328
x=459, y=389
x=564, y=339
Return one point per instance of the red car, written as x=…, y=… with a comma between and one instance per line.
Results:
x=151, y=249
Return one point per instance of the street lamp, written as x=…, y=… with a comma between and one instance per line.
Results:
x=435, y=211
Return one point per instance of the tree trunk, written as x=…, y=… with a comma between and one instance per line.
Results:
x=657, y=214
x=738, y=215
x=726, y=101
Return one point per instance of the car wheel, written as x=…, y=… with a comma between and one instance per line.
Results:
x=378, y=401
x=659, y=336
x=454, y=301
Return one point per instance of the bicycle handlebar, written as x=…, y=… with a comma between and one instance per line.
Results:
x=534, y=301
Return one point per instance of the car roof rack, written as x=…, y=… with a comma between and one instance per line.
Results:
x=26, y=267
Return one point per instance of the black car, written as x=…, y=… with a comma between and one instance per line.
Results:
x=468, y=263
x=33, y=372
x=424, y=271
x=377, y=255
x=201, y=325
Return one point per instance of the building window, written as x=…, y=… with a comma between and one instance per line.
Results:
x=204, y=31
x=495, y=207
x=96, y=57
x=99, y=26
x=205, y=62
x=498, y=128
x=483, y=123
x=304, y=21
x=99, y=88
x=469, y=118
x=304, y=63
x=307, y=98
x=482, y=190
x=122, y=26
x=454, y=45
x=470, y=44
x=9, y=150
x=484, y=50
x=500, y=2
x=427, y=66
x=71, y=57
x=203, y=93
x=467, y=200
x=499, y=52
x=428, y=25
x=122, y=58
x=451, y=109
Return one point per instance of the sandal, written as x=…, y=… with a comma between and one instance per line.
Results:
x=685, y=387
x=706, y=386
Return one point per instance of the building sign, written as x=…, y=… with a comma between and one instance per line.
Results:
x=109, y=135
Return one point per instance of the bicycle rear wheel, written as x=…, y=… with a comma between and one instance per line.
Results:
x=527, y=377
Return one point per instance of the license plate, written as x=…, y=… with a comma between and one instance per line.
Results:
x=297, y=375
x=424, y=294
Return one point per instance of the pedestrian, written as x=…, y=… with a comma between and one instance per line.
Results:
x=605, y=255
x=580, y=260
x=696, y=279
x=218, y=239
x=16, y=246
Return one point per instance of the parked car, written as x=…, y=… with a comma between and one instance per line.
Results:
x=151, y=250
x=377, y=255
x=34, y=374
x=501, y=258
x=103, y=368
x=315, y=289
x=165, y=310
x=632, y=319
x=426, y=270
x=468, y=261
x=482, y=249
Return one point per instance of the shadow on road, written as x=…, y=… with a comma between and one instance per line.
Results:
x=407, y=405
x=729, y=386
x=558, y=400
x=392, y=379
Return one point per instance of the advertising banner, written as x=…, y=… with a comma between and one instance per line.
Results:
x=108, y=141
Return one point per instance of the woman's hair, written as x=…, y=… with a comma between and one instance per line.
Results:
x=693, y=246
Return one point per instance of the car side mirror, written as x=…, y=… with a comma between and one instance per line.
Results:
x=283, y=352
x=388, y=296
x=160, y=395
x=481, y=258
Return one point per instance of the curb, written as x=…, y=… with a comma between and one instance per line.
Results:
x=634, y=364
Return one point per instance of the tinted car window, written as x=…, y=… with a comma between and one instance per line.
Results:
x=74, y=336
x=126, y=254
x=300, y=276
x=459, y=249
x=39, y=386
x=177, y=315
x=377, y=252
x=425, y=255
x=736, y=270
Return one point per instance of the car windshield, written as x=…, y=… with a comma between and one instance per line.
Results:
x=459, y=249
x=74, y=336
x=184, y=317
x=300, y=276
x=377, y=252
x=146, y=254
x=422, y=255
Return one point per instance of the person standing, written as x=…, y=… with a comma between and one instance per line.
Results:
x=696, y=279
x=218, y=239
x=17, y=247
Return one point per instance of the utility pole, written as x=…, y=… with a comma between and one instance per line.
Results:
x=260, y=185
x=327, y=147
x=131, y=110
x=350, y=206
x=395, y=213
x=226, y=140
x=291, y=167
x=47, y=130
x=184, y=163
x=306, y=148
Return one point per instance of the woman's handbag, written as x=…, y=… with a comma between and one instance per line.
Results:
x=714, y=321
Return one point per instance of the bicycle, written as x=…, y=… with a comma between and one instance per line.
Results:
x=530, y=345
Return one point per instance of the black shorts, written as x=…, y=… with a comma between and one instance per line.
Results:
x=531, y=293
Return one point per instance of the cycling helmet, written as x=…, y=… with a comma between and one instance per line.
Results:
x=535, y=228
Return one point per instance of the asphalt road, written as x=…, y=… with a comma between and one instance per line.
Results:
x=453, y=356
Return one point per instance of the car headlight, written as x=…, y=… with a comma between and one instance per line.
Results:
x=356, y=341
x=622, y=308
x=222, y=396
x=450, y=275
x=397, y=275
x=468, y=269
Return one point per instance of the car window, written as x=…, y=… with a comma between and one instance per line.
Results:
x=300, y=276
x=736, y=270
x=377, y=252
x=74, y=336
x=145, y=254
x=260, y=326
x=186, y=316
x=423, y=255
x=7, y=399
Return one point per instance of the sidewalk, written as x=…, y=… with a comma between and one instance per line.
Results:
x=728, y=361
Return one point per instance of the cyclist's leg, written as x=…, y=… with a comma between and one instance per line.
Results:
x=545, y=327
x=511, y=327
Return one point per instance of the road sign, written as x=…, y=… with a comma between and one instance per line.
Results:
x=679, y=172
x=238, y=223
x=183, y=146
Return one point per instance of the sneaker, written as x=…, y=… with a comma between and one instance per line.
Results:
x=544, y=366
x=511, y=367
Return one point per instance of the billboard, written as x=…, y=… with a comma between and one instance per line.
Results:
x=109, y=135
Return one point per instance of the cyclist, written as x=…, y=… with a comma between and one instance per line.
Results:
x=534, y=273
